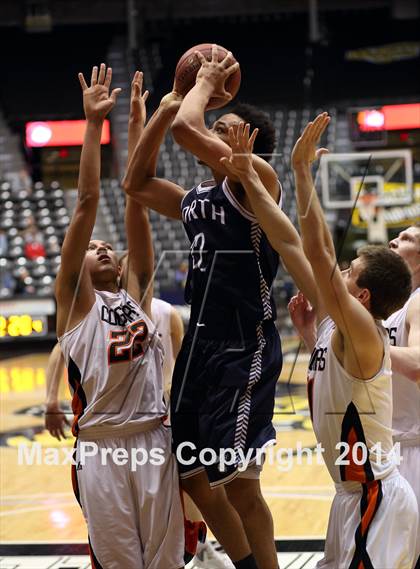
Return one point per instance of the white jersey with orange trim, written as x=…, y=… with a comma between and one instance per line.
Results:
x=114, y=358
x=161, y=314
x=352, y=418
x=406, y=393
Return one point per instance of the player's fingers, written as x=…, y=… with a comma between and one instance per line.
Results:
x=108, y=77
x=245, y=133
x=226, y=96
x=53, y=433
x=82, y=81
x=94, y=76
x=252, y=139
x=200, y=57
x=321, y=151
x=306, y=130
x=227, y=60
x=238, y=129
x=101, y=77
x=140, y=79
x=232, y=136
x=61, y=432
x=115, y=94
x=145, y=96
x=231, y=69
x=318, y=126
x=135, y=77
x=214, y=53
x=323, y=125
x=135, y=91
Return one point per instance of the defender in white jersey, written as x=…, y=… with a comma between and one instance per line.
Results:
x=374, y=519
x=126, y=478
x=404, y=335
x=168, y=323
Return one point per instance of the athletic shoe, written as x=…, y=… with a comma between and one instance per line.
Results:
x=207, y=557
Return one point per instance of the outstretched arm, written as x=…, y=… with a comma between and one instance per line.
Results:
x=137, y=276
x=276, y=225
x=140, y=182
x=137, y=117
x=55, y=419
x=74, y=291
x=362, y=344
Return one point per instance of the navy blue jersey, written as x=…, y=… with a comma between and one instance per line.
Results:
x=232, y=265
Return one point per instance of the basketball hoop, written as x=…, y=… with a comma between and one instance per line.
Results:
x=373, y=215
x=368, y=207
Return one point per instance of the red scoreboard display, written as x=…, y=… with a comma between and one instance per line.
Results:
x=389, y=125
x=61, y=133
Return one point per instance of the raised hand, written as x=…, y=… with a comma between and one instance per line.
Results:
x=302, y=314
x=97, y=102
x=138, y=99
x=216, y=72
x=305, y=150
x=242, y=144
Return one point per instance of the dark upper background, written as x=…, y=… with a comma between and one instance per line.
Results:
x=270, y=38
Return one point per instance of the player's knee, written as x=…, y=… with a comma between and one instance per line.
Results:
x=247, y=504
x=203, y=496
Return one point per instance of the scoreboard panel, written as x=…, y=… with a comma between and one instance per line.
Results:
x=27, y=318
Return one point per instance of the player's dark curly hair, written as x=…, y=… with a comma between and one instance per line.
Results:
x=387, y=276
x=266, y=138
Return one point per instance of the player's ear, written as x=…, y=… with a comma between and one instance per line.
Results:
x=364, y=297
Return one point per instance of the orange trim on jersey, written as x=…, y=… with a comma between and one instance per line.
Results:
x=78, y=403
x=352, y=433
x=372, y=502
x=354, y=471
x=369, y=504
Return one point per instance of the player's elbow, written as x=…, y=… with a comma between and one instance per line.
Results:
x=132, y=190
x=181, y=130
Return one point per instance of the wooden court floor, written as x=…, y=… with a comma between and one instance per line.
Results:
x=37, y=502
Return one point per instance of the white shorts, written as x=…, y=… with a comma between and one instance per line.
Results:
x=410, y=469
x=134, y=517
x=374, y=526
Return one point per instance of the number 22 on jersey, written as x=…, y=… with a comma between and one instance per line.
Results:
x=126, y=345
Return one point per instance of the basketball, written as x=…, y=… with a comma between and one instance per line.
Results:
x=187, y=69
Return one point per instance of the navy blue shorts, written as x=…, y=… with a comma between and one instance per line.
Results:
x=222, y=397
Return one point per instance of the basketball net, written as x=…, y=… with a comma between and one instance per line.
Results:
x=374, y=217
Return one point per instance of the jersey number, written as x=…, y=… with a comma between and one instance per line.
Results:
x=392, y=333
x=126, y=345
x=197, y=250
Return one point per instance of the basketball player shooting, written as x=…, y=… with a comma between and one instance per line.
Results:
x=374, y=519
x=114, y=360
x=223, y=388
